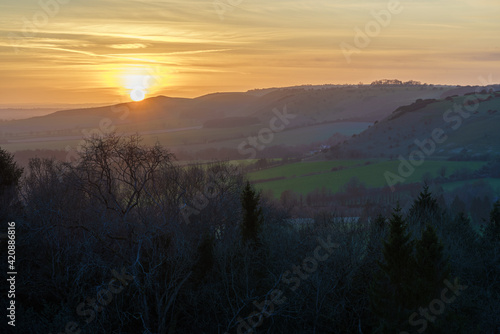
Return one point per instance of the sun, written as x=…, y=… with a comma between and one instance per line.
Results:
x=137, y=94
x=138, y=82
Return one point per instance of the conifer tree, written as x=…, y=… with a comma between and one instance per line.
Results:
x=251, y=227
x=10, y=174
x=431, y=266
x=252, y=214
x=493, y=228
x=391, y=292
x=425, y=206
x=462, y=227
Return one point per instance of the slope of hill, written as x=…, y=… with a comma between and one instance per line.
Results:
x=463, y=127
x=313, y=107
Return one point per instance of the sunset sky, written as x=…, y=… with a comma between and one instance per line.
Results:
x=98, y=51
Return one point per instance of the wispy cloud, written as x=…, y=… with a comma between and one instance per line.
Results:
x=128, y=46
x=258, y=44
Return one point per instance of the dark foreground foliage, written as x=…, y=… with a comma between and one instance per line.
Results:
x=127, y=241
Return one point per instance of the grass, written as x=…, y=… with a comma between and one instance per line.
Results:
x=301, y=168
x=371, y=175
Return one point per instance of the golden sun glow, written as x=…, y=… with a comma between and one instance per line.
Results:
x=139, y=82
x=138, y=94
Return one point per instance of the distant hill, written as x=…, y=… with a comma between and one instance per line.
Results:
x=328, y=103
x=321, y=115
x=454, y=127
x=22, y=113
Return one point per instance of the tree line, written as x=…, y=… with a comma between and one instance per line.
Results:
x=116, y=213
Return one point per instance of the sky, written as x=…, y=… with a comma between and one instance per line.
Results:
x=107, y=51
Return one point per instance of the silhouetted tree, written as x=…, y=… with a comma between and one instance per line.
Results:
x=462, y=227
x=431, y=266
x=391, y=293
x=425, y=207
x=205, y=259
x=10, y=173
x=252, y=214
x=492, y=230
x=120, y=172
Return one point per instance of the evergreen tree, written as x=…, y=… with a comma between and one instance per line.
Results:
x=251, y=227
x=431, y=266
x=493, y=228
x=425, y=206
x=391, y=292
x=10, y=174
x=252, y=214
x=462, y=227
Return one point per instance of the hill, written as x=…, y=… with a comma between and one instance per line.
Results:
x=318, y=111
x=459, y=127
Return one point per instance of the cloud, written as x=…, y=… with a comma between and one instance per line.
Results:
x=259, y=43
x=128, y=46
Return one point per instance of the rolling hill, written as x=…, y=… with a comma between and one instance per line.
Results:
x=197, y=122
x=462, y=127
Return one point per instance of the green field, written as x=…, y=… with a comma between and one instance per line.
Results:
x=372, y=175
x=302, y=168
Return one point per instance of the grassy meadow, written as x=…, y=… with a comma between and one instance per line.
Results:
x=304, y=177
